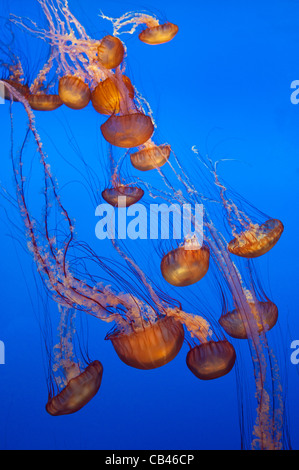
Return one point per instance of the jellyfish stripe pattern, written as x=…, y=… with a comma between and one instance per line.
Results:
x=214, y=273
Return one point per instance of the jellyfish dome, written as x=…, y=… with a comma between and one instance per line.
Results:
x=78, y=392
x=106, y=96
x=73, y=92
x=111, y=52
x=150, y=346
x=19, y=87
x=211, y=360
x=159, y=34
x=129, y=130
x=182, y=267
x=265, y=314
x=258, y=240
x=122, y=195
x=43, y=102
x=150, y=157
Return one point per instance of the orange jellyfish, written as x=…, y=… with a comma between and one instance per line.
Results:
x=80, y=389
x=44, y=102
x=150, y=346
x=111, y=52
x=265, y=314
x=257, y=240
x=185, y=266
x=19, y=87
x=211, y=360
x=159, y=34
x=129, y=130
x=122, y=195
x=150, y=156
x=154, y=33
x=106, y=96
x=74, y=92
x=72, y=383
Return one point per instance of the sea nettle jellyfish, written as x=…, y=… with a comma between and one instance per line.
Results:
x=149, y=326
x=131, y=128
x=37, y=91
x=257, y=239
x=82, y=62
x=211, y=360
x=151, y=345
x=106, y=97
x=185, y=265
x=154, y=33
x=111, y=52
x=73, y=382
x=150, y=156
x=236, y=325
x=119, y=193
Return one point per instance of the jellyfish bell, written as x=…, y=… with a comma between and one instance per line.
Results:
x=106, y=97
x=159, y=34
x=74, y=92
x=257, y=240
x=211, y=360
x=79, y=391
x=150, y=156
x=111, y=52
x=44, y=102
x=128, y=130
x=122, y=195
x=183, y=267
x=150, y=346
x=19, y=87
x=235, y=325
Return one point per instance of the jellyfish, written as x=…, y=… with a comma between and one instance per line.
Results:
x=150, y=156
x=266, y=314
x=128, y=130
x=74, y=92
x=154, y=33
x=82, y=62
x=149, y=346
x=111, y=52
x=106, y=96
x=119, y=193
x=149, y=328
x=211, y=360
x=257, y=240
x=185, y=265
x=73, y=384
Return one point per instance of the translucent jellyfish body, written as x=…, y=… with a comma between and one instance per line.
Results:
x=159, y=34
x=43, y=102
x=258, y=240
x=19, y=87
x=73, y=92
x=211, y=360
x=111, y=52
x=128, y=130
x=150, y=157
x=78, y=392
x=106, y=97
x=122, y=195
x=149, y=347
x=236, y=325
x=182, y=267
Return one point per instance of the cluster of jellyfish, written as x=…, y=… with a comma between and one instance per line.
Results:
x=149, y=326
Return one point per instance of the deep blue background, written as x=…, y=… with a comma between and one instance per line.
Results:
x=224, y=80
